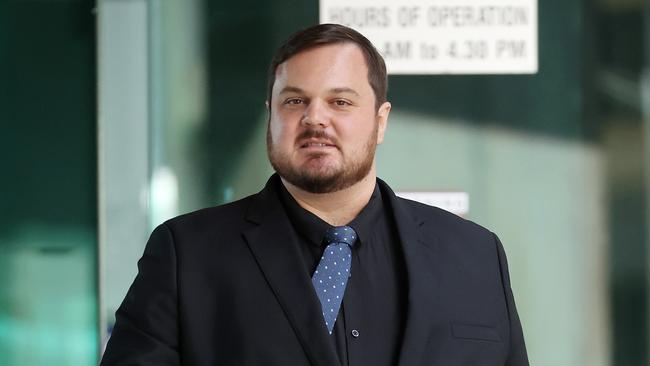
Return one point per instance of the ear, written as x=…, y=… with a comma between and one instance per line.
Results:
x=382, y=121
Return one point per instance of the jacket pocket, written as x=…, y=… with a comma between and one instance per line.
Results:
x=475, y=331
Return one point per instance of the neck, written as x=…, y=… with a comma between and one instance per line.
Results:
x=336, y=208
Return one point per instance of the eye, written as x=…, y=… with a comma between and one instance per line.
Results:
x=294, y=101
x=342, y=102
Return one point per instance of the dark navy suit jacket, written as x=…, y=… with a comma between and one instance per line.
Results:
x=226, y=286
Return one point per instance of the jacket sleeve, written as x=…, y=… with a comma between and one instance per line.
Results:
x=146, y=327
x=517, y=355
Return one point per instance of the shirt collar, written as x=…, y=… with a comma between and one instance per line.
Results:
x=313, y=228
x=364, y=223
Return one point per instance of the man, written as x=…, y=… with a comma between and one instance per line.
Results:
x=325, y=266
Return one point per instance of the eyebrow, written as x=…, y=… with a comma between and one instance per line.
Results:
x=341, y=90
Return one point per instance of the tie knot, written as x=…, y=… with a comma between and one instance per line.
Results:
x=341, y=234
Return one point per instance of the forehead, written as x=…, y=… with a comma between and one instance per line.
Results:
x=329, y=66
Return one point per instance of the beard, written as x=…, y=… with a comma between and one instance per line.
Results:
x=322, y=178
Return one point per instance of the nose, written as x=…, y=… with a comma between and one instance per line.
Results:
x=315, y=114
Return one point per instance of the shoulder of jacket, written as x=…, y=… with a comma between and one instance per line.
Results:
x=438, y=217
x=215, y=216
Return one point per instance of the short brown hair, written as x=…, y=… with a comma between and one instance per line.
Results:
x=326, y=34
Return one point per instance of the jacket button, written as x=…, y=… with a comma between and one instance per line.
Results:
x=355, y=333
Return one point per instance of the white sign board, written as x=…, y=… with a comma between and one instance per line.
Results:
x=455, y=202
x=444, y=36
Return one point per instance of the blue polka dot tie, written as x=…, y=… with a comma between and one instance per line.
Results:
x=333, y=271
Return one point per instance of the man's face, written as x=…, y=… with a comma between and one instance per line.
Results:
x=323, y=127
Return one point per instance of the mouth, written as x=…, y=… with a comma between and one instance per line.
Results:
x=311, y=144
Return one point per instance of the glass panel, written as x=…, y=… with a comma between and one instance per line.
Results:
x=555, y=162
x=152, y=131
x=48, y=195
x=622, y=46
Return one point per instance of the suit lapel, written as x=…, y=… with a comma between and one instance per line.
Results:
x=421, y=279
x=278, y=255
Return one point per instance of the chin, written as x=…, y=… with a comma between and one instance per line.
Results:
x=322, y=173
x=318, y=181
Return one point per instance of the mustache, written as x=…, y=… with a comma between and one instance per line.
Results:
x=316, y=134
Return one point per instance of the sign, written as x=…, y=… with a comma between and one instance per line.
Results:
x=444, y=36
x=454, y=202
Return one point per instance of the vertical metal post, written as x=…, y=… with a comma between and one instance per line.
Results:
x=123, y=147
x=644, y=92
